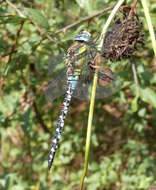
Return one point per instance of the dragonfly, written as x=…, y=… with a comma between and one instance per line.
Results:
x=75, y=80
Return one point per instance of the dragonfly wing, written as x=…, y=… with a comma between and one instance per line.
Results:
x=56, y=64
x=108, y=83
x=109, y=88
x=56, y=87
x=82, y=86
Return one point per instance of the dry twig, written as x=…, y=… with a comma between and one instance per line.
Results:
x=13, y=48
x=64, y=29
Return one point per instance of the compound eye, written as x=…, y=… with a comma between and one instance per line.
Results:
x=83, y=37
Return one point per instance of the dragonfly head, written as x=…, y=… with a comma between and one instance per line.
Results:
x=84, y=36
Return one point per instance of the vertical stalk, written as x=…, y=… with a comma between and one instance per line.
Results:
x=149, y=23
x=93, y=93
x=89, y=129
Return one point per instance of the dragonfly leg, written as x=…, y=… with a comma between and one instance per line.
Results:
x=103, y=74
x=94, y=66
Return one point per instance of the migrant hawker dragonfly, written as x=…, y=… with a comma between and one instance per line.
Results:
x=75, y=80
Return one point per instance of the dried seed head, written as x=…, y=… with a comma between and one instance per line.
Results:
x=122, y=39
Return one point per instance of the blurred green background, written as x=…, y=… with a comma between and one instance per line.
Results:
x=123, y=149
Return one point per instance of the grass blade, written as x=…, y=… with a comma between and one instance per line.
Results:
x=150, y=26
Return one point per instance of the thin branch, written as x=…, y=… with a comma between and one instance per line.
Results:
x=39, y=118
x=1, y=1
x=21, y=14
x=13, y=48
x=16, y=8
x=134, y=3
x=8, y=53
x=111, y=16
x=134, y=74
x=34, y=105
x=64, y=29
x=40, y=30
x=150, y=26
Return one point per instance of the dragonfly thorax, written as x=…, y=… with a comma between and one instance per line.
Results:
x=76, y=57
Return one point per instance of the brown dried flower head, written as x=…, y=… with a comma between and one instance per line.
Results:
x=122, y=39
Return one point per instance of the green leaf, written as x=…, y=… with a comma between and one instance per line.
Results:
x=25, y=122
x=16, y=20
x=3, y=45
x=87, y=5
x=134, y=104
x=37, y=17
x=148, y=96
x=142, y=112
x=8, y=103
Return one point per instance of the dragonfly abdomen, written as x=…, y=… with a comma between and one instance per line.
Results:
x=60, y=123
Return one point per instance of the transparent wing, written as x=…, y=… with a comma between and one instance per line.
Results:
x=56, y=65
x=108, y=83
x=57, y=86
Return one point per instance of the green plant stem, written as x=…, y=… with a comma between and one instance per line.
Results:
x=110, y=18
x=149, y=23
x=89, y=129
x=93, y=93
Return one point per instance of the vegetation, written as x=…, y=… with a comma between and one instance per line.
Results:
x=123, y=151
